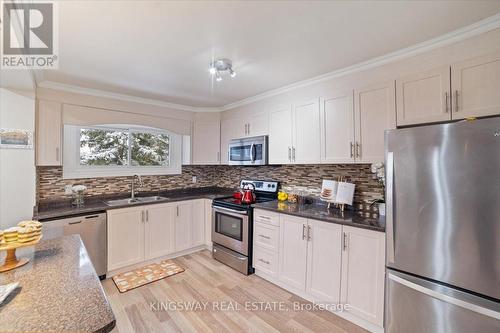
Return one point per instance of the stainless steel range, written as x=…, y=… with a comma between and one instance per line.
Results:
x=232, y=226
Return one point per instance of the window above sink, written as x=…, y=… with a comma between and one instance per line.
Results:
x=120, y=150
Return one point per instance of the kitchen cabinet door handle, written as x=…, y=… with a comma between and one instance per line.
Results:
x=303, y=232
x=293, y=154
x=248, y=128
x=446, y=102
x=265, y=237
x=289, y=154
x=264, y=217
x=75, y=222
x=352, y=149
x=344, y=241
x=147, y=216
x=456, y=101
x=142, y=216
x=177, y=207
x=308, y=233
x=264, y=261
x=358, y=149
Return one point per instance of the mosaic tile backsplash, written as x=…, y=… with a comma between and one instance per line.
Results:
x=50, y=184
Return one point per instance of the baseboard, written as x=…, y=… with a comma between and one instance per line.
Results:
x=345, y=315
x=114, y=272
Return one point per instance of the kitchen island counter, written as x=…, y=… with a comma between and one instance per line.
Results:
x=58, y=291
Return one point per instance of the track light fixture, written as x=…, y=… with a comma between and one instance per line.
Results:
x=219, y=66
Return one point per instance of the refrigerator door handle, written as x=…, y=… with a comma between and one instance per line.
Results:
x=389, y=197
x=458, y=300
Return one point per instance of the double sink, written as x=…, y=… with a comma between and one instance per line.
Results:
x=129, y=201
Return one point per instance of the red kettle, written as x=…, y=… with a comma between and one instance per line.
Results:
x=248, y=195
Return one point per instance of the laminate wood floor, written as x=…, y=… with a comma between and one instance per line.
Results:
x=232, y=300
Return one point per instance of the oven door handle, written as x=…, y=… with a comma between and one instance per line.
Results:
x=223, y=209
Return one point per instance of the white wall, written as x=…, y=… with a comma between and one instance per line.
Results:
x=17, y=166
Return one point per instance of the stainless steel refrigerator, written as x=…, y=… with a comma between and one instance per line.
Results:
x=443, y=228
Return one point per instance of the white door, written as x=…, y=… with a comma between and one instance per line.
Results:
x=337, y=128
x=258, y=125
x=208, y=222
x=159, y=231
x=206, y=142
x=424, y=97
x=475, y=86
x=183, y=225
x=198, y=222
x=293, y=251
x=324, y=261
x=280, y=135
x=49, y=133
x=375, y=112
x=363, y=272
x=125, y=237
x=306, y=148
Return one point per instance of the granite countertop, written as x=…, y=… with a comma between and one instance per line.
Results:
x=63, y=208
x=319, y=211
x=58, y=291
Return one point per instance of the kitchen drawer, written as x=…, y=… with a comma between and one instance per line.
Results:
x=265, y=261
x=266, y=217
x=266, y=236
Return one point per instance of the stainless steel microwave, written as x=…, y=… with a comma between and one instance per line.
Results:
x=248, y=151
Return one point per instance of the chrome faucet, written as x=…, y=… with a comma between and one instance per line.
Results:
x=132, y=192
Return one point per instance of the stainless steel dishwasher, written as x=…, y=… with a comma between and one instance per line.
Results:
x=92, y=230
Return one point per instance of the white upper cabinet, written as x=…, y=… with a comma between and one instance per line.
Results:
x=375, y=112
x=306, y=148
x=49, y=133
x=258, y=125
x=337, y=128
x=363, y=273
x=324, y=261
x=424, y=97
x=475, y=86
x=280, y=135
x=206, y=142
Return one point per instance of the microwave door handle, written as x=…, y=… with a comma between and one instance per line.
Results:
x=252, y=155
x=390, y=207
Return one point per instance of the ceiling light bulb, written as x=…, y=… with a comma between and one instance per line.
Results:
x=232, y=73
x=218, y=78
x=212, y=70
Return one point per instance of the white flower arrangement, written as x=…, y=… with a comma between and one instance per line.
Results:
x=78, y=188
x=378, y=170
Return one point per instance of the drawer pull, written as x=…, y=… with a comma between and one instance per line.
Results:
x=264, y=261
x=266, y=237
x=264, y=217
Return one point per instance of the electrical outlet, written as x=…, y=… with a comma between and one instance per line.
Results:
x=68, y=190
x=195, y=179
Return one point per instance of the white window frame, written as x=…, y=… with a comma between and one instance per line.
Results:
x=72, y=169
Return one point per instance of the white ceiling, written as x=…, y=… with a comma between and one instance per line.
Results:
x=161, y=49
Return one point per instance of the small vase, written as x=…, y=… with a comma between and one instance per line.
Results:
x=381, y=209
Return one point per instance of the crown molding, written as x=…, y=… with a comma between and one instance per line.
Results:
x=480, y=27
x=122, y=97
x=485, y=25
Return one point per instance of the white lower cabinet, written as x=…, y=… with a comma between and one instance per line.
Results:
x=125, y=237
x=183, y=225
x=142, y=233
x=324, y=263
x=293, y=251
x=363, y=273
x=159, y=230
